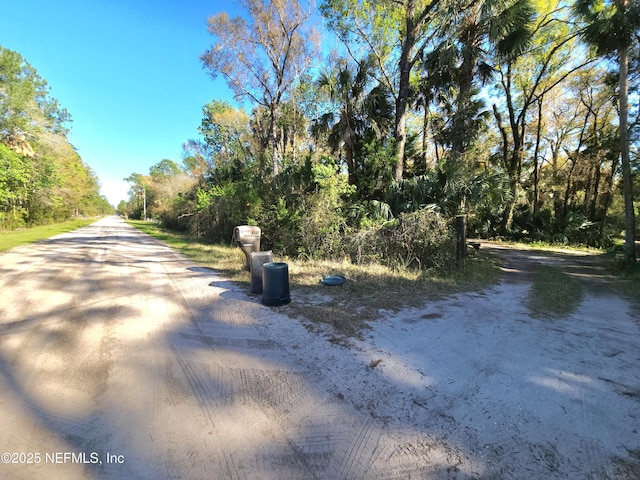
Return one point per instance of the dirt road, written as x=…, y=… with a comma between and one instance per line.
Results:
x=121, y=359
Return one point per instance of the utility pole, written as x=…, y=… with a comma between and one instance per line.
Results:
x=144, y=203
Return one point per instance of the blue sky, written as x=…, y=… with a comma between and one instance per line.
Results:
x=128, y=71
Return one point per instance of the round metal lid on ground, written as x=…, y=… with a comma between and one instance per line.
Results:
x=333, y=280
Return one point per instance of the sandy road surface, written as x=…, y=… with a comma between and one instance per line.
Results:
x=113, y=345
x=121, y=359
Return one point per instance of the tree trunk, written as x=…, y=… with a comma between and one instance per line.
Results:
x=507, y=216
x=608, y=195
x=401, y=113
x=462, y=117
x=512, y=162
x=567, y=191
x=351, y=166
x=593, y=206
x=536, y=179
x=421, y=162
x=513, y=166
x=513, y=180
x=627, y=179
x=273, y=118
x=404, y=65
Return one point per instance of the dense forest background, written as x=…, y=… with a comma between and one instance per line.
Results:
x=42, y=177
x=522, y=115
x=507, y=111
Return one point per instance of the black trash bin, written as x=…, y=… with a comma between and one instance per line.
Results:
x=275, y=284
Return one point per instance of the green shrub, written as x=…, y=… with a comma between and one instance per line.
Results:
x=323, y=230
x=280, y=224
x=13, y=219
x=420, y=239
x=221, y=208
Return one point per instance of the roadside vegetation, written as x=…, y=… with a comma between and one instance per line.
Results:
x=509, y=115
x=369, y=289
x=25, y=236
x=631, y=286
x=515, y=114
x=43, y=180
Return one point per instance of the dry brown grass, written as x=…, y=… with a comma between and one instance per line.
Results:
x=373, y=291
x=369, y=293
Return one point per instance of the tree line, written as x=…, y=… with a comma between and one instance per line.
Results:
x=520, y=114
x=42, y=177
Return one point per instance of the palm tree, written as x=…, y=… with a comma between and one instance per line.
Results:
x=501, y=26
x=358, y=111
x=611, y=27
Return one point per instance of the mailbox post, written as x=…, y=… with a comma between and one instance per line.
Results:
x=247, y=237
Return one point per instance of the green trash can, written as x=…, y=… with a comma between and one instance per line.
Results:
x=275, y=284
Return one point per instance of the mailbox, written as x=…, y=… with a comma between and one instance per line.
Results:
x=247, y=237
